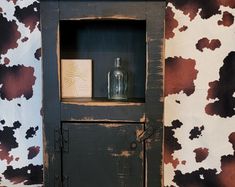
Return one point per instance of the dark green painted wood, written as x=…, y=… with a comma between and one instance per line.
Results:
x=51, y=98
x=102, y=9
x=154, y=92
x=100, y=155
x=79, y=112
x=103, y=41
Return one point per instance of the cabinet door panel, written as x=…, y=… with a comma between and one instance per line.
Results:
x=100, y=154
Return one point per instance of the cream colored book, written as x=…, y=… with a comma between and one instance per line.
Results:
x=76, y=78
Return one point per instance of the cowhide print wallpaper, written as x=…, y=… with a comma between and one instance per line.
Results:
x=199, y=114
x=199, y=143
x=20, y=94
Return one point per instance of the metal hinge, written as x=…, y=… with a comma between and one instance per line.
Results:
x=61, y=137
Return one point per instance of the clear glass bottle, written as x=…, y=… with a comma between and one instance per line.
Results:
x=117, y=82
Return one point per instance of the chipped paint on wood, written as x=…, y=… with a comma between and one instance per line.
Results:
x=124, y=154
x=114, y=17
x=138, y=132
x=91, y=119
x=53, y=157
x=143, y=118
x=45, y=154
x=148, y=144
x=147, y=120
x=110, y=149
x=160, y=121
x=162, y=163
x=147, y=61
x=146, y=172
x=163, y=66
x=141, y=155
x=84, y=119
x=101, y=113
x=110, y=125
x=103, y=146
x=100, y=103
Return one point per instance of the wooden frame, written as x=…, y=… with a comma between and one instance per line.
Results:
x=55, y=111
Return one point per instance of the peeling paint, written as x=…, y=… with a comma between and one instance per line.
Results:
x=110, y=149
x=85, y=119
x=91, y=119
x=141, y=155
x=111, y=125
x=124, y=154
x=117, y=17
x=45, y=154
x=139, y=132
x=89, y=102
x=52, y=157
x=147, y=120
x=148, y=145
x=163, y=66
x=143, y=118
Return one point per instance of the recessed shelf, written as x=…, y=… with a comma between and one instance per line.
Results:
x=102, y=41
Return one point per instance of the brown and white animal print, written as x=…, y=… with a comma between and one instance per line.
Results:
x=20, y=94
x=199, y=143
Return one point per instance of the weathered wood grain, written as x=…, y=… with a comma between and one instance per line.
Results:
x=75, y=10
x=51, y=96
x=124, y=112
x=154, y=92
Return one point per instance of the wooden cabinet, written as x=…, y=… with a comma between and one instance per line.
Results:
x=95, y=142
x=100, y=154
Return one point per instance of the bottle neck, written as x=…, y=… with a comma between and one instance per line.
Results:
x=117, y=62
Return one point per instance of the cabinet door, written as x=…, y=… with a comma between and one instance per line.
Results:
x=102, y=155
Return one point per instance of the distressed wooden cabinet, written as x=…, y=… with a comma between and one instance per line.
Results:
x=96, y=142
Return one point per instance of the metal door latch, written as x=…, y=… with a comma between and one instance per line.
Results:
x=143, y=136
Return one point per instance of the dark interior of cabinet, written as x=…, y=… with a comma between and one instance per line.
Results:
x=103, y=41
